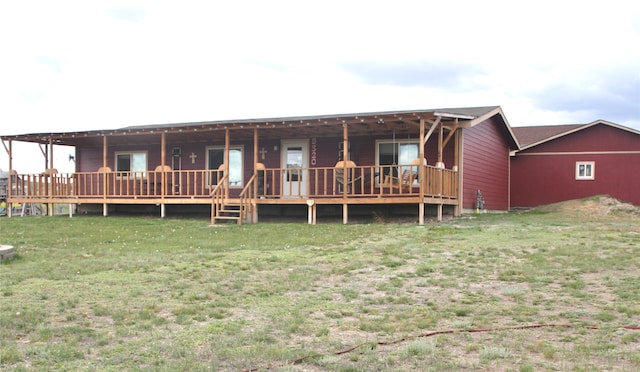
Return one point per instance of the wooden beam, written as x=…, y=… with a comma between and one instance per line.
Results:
x=434, y=124
x=451, y=133
x=50, y=152
x=440, y=133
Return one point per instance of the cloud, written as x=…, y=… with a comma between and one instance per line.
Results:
x=451, y=75
x=611, y=94
x=130, y=13
x=52, y=63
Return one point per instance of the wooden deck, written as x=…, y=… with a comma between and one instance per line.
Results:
x=276, y=186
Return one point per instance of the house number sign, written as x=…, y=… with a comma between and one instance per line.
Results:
x=314, y=152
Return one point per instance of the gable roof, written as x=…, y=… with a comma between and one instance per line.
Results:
x=530, y=136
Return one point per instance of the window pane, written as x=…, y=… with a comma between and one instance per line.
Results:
x=123, y=162
x=408, y=152
x=387, y=154
x=138, y=162
x=216, y=158
x=235, y=167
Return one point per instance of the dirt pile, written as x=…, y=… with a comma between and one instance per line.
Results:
x=600, y=205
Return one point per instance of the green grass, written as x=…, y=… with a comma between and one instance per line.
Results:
x=118, y=293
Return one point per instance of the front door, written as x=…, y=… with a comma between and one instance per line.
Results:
x=295, y=161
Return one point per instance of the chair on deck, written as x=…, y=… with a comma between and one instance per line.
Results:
x=350, y=181
x=406, y=179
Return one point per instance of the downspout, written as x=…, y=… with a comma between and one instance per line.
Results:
x=460, y=152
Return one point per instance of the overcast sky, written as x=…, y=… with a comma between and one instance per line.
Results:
x=85, y=65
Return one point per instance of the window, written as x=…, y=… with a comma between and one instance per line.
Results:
x=396, y=153
x=215, y=158
x=585, y=170
x=134, y=162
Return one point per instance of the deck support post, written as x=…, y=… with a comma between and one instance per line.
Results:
x=439, y=212
x=311, y=212
x=421, y=213
x=345, y=213
x=105, y=210
x=70, y=210
x=162, y=210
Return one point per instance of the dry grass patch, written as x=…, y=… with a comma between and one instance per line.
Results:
x=137, y=293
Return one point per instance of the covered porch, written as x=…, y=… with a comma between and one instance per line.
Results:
x=314, y=180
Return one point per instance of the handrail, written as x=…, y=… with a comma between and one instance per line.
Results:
x=218, y=195
x=247, y=205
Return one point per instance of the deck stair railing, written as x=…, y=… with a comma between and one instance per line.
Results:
x=219, y=200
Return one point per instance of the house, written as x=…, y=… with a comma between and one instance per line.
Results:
x=563, y=162
x=426, y=161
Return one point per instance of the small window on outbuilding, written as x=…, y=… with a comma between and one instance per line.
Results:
x=585, y=170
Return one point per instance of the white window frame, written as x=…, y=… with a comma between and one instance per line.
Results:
x=398, y=142
x=135, y=173
x=238, y=185
x=585, y=170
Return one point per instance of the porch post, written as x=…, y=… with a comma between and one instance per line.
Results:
x=345, y=181
x=254, y=214
x=50, y=152
x=50, y=178
x=10, y=180
x=227, y=141
x=163, y=174
x=105, y=182
x=440, y=168
x=421, y=174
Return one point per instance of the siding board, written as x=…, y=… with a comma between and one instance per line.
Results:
x=545, y=173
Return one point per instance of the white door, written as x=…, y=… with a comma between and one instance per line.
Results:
x=295, y=161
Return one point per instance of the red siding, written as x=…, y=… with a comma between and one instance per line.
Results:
x=486, y=165
x=538, y=179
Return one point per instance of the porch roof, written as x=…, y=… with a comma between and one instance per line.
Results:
x=372, y=123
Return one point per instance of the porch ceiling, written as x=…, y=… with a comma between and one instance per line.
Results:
x=366, y=124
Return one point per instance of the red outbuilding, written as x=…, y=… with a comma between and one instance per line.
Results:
x=563, y=162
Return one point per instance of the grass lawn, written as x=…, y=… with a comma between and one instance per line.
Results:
x=120, y=293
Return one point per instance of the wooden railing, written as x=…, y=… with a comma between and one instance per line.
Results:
x=218, y=196
x=247, y=199
x=359, y=181
x=318, y=182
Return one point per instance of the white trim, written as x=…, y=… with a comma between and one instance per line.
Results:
x=579, y=128
x=579, y=153
x=378, y=142
x=134, y=173
x=231, y=147
x=591, y=170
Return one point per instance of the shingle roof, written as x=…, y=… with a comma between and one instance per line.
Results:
x=531, y=136
x=534, y=134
